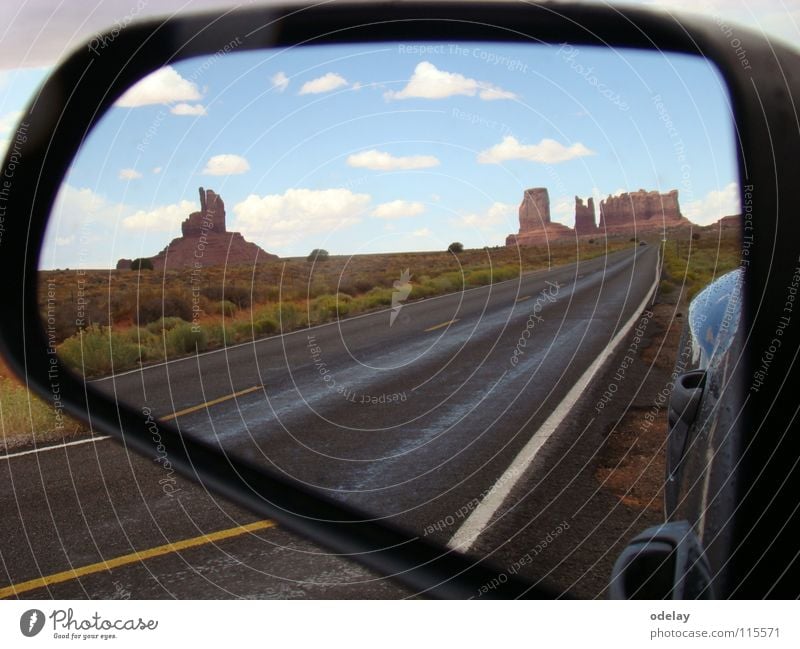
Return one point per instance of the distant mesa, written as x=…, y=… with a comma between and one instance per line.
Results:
x=535, y=226
x=627, y=214
x=205, y=241
x=644, y=210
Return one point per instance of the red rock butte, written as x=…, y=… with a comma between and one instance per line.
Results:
x=205, y=241
x=627, y=214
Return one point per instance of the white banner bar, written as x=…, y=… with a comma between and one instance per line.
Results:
x=400, y=624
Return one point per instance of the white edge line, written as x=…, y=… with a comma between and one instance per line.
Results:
x=426, y=300
x=90, y=440
x=477, y=521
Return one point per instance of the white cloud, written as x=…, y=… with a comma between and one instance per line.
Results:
x=398, y=209
x=76, y=205
x=325, y=83
x=277, y=220
x=714, y=205
x=422, y=232
x=547, y=151
x=129, y=174
x=226, y=164
x=156, y=170
x=164, y=86
x=165, y=218
x=382, y=161
x=188, y=109
x=490, y=93
x=279, y=81
x=80, y=215
x=429, y=82
x=504, y=214
x=562, y=210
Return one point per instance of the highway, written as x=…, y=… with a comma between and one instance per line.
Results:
x=426, y=415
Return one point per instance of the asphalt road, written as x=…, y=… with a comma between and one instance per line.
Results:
x=411, y=419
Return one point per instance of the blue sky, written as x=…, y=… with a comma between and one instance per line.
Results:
x=389, y=148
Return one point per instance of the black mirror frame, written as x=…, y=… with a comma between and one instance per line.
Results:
x=764, y=99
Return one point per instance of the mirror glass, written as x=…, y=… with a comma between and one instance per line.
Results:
x=442, y=282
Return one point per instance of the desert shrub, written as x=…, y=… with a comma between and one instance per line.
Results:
x=238, y=295
x=374, y=298
x=184, y=339
x=318, y=254
x=239, y=331
x=323, y=308
x=328, y=307
x=695, y=236
x=265, y=325
x=96, y=350
x=479, y=277
x=455, y=247
x=447, y=282
x=317, y=289
x=289, y=316
x=215, y=335
x=122, y=303
x=364, y=285
x=154, y=306
x=63, y=323
x=348, y=287
x=164, y=324
x=503, y=273
x=271, y=294
x=423, y=288
x=224, y=307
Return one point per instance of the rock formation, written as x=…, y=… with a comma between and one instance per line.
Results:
x=205, y=241
x=535, y=227
x=624, y=215
x=211, y=215
x=584, y=217
x=733, y=221
x=639, y=211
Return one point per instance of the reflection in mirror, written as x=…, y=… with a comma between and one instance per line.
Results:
x=442, y=282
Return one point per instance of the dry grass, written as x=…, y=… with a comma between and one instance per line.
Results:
x=691, y=264
x=25, y=418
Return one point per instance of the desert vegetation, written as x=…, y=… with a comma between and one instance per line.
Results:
x=109, y=320
x=690, y=264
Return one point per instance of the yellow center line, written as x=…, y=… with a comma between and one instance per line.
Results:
x=522, y=299
x=208, y=404
x=134, y=557
x=443, y=324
